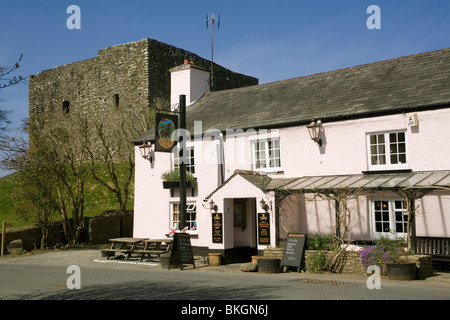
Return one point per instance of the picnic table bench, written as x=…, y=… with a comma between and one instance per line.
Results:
x=154, y=246
x=122, y=245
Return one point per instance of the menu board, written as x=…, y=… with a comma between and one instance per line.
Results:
x=217, y=228
x=182, y=250
x=294, y=250
x=263, y=228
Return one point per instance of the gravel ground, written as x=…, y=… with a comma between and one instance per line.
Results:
x=81, y=256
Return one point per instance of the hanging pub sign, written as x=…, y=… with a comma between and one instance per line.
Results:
x=263, y=228
x=166, y=124
x=217, y=228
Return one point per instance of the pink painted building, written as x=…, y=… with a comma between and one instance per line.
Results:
x=382, y=130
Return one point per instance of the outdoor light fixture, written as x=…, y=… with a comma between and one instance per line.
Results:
x=145, y=150
x=314, y=131
x=212, y=205
x=263, y=205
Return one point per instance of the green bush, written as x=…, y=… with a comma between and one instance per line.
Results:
x=320, y=242
x=317, y=262
x=174, y=175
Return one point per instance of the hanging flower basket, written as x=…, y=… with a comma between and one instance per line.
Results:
x=171, y=180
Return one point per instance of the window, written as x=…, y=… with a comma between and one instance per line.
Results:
x=66, y=106
x=190, y=165
x=389, y=218
x=116, y=100
x=387, y=150
x=191, y=213
x=266, y=155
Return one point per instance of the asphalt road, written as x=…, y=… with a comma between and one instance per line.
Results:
x=49, y=277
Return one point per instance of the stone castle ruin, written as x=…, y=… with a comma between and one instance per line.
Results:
x=132, y=75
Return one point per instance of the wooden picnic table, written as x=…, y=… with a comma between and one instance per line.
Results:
x=123, y=245
x=154, y=246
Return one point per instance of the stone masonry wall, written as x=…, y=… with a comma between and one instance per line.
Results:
x=350, y=263
x=98, y=231
x=129, y=75
x=120, y=79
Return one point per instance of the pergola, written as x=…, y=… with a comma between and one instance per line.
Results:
x=410, y=185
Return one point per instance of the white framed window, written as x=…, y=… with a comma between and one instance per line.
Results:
x=389, y=218
x=190, y=160
x=266, y=154
x=387, y=150
x=191, y=213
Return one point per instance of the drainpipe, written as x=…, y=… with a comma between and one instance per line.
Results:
x=412, y=222
x=183, y=217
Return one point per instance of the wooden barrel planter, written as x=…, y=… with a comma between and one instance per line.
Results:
x=215, y=259
x=401, y=271
x=269, y=265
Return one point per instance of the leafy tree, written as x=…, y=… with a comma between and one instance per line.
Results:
x=58, y=149
x=110, y=148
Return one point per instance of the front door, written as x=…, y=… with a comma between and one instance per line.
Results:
x=244, y=223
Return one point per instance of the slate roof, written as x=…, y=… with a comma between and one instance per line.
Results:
x=391, y=86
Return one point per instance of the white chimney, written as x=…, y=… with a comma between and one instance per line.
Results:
x=190, y=80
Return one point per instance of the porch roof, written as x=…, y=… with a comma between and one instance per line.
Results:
x=430, y=180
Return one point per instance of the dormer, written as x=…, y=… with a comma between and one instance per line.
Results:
x=190, y=80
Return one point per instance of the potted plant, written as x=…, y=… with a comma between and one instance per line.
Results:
x=171, y=179
x=390, y=256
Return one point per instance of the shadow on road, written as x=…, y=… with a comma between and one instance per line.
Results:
x=157, y=291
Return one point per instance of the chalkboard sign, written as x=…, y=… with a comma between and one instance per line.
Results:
x=264, y=228
x=182, y=250
x=294, y=250
x=217, y=228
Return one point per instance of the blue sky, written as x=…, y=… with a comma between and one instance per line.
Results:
x=270, y=40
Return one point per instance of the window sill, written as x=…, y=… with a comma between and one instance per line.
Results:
x=270, y=171
x=387, y=171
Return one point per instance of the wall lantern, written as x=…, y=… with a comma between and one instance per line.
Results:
x=145, y=150
x=264, y=205
x=314, y=131
x=213, y=206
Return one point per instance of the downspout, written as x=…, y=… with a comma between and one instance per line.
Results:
x=412, y=224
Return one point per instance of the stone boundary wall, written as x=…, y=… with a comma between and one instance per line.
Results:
x=98, y=231
x=131, y=75
x=350, y=263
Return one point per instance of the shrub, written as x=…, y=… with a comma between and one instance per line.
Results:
x=384, y=251
x=320, y=242
x=174, y=175
x=317, y=262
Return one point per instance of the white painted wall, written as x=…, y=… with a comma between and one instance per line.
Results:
x=344, y=152
x=190, y=81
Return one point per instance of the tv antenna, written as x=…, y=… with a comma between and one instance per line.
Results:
x=212, y=22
